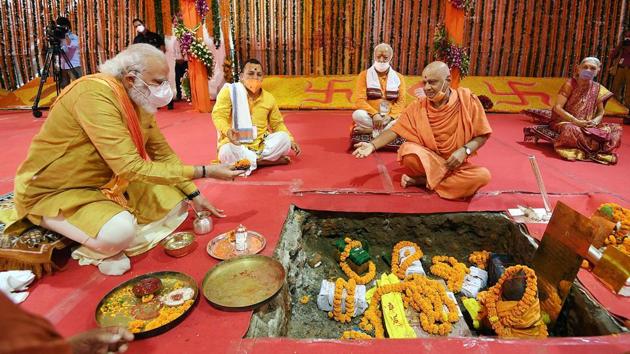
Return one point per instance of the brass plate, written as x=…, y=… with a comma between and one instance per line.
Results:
x=168, y=278
x=243, y=282
x=222, y=248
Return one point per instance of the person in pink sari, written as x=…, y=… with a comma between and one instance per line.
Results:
x=577, y=118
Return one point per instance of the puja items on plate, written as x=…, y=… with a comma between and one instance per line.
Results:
x=242, y=164
x=147, y=304
x=240, y=238
x=178, y=297
x=147, y=286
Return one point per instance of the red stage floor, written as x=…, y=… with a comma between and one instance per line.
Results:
x=324, y=177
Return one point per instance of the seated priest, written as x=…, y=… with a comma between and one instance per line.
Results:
x=101, y=173
x=250, y=126
x=442, y=131
x=379, y=96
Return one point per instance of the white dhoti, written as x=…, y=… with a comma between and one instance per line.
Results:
x=119, y=237
x=363, y=120
x=275, y=145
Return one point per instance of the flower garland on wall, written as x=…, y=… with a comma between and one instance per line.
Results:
x=216, y=23
x=445, y=50
x=466, y=5
x=189, y=44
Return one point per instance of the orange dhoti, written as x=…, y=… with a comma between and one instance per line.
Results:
x=463, y=182
x=433, y=134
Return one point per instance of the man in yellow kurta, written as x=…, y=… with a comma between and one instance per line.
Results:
x=269, y=140
x=379, y=95
x=441, y=131
x=100, y=166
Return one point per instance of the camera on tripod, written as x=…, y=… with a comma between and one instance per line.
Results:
x=56, y=33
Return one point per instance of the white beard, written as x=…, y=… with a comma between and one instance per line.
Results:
x=139, y=99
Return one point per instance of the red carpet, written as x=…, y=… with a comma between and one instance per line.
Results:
x=326, y=177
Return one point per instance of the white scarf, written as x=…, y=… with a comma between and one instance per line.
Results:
x=241, y=117
x=374, y=85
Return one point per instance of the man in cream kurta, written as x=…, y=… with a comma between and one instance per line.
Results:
x=379, y=96
x=86, y=143
x=258, y=110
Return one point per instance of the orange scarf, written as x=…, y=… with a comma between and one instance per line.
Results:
x=115, y=188
x=529, y=325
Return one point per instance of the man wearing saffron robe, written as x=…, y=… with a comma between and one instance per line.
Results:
x=379, y=96
x=100, y=166
x=441, y=130
x=257, y=112
x=24, y=333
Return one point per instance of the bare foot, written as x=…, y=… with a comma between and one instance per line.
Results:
x=284, y=160
x=362, y=130
x=416, y=181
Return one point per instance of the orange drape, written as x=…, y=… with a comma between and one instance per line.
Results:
x=167, y=18
x=454, y=20
x=224, y=12
x=197, y=72
x=149, y=18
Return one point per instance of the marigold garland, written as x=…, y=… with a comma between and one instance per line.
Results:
x=355, y=335
x=336, y=313
x=359, y=279
x=479, y=259
x=451, y=270
x=400, y=270
x=489, y=298
x=425, y=296
x=620, y=236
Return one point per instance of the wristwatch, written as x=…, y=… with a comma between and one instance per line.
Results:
x=468, y=151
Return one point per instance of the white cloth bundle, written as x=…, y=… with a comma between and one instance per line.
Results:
x=474, y=281
x=14, y=282
x=327, y=296
x=416, y=266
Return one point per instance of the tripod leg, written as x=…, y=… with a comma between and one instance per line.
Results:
x=57, y=72
x=65, y=58
x=42, y=77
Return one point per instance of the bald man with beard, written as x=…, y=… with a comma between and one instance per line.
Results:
x=442, y=130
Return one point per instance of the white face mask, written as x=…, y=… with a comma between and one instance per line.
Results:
x=159, y=96
x=381, y=67
x=140, y=29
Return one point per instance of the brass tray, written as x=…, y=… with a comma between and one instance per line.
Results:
x=121, y=300
x=222, y=248
x=243, y=282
